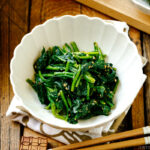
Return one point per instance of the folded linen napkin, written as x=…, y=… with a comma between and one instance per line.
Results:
x=17, y=113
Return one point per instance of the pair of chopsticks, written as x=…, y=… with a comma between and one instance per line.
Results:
x=88, y=145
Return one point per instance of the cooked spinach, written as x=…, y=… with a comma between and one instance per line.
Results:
x=148, y=1
x=74, y=85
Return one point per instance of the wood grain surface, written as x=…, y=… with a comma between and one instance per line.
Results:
x=18, y=17
x=123, y=10
x=13, y=26
x=146, y=52
x=138, y=105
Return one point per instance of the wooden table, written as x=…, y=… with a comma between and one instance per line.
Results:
x=18, y=17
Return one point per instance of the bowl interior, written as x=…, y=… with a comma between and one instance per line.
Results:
x=84, y=31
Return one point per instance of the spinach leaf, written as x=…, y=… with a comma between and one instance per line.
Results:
x=75, y=85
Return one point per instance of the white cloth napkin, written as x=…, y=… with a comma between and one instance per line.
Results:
x=17, y=113
x=66, y=137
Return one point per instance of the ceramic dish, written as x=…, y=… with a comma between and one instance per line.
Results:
x=142, y=5
x=84, y=31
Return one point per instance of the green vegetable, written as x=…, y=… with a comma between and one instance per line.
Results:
x=67, y=66
x=77, y=83
x=96, y=48
x=89, y=78
x=87, y=53
x=55, y=67
x=88, y=90
x=84, y=57
x=67, y=48
x=74, y=84
x=75, y=78
x=74, y=46
x=148, y=1
x=64, y=99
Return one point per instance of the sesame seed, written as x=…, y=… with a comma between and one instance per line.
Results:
x=95, y=101
x=65, y=84
x=90, y=67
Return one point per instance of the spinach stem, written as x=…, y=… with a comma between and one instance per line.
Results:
x=75, y=78
x=48, y=106
x=49, y=67
x=41, y=76
x=115, y=88
x=88, y=91
x=74, y=46
x=88, y=77
x=69, y=101
x=64, y=99
x=78, y=81
x=67, y=47
x=83, y=57
x=89, y=53
x=48, y=74
x=96, y=48
x=67, y=66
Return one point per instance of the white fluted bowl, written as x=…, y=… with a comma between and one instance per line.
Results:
x=84, y=31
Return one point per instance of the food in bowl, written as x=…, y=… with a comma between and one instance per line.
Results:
x=74, y=84
x=84, y=30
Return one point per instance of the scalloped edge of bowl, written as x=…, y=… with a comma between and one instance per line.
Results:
x=60, y=18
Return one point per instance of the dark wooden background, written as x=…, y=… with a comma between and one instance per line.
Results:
x=18, y=17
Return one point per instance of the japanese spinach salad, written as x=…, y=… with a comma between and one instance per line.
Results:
x=74, y=84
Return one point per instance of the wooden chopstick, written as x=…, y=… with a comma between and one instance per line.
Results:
x=123, y=144
x=113, y=137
